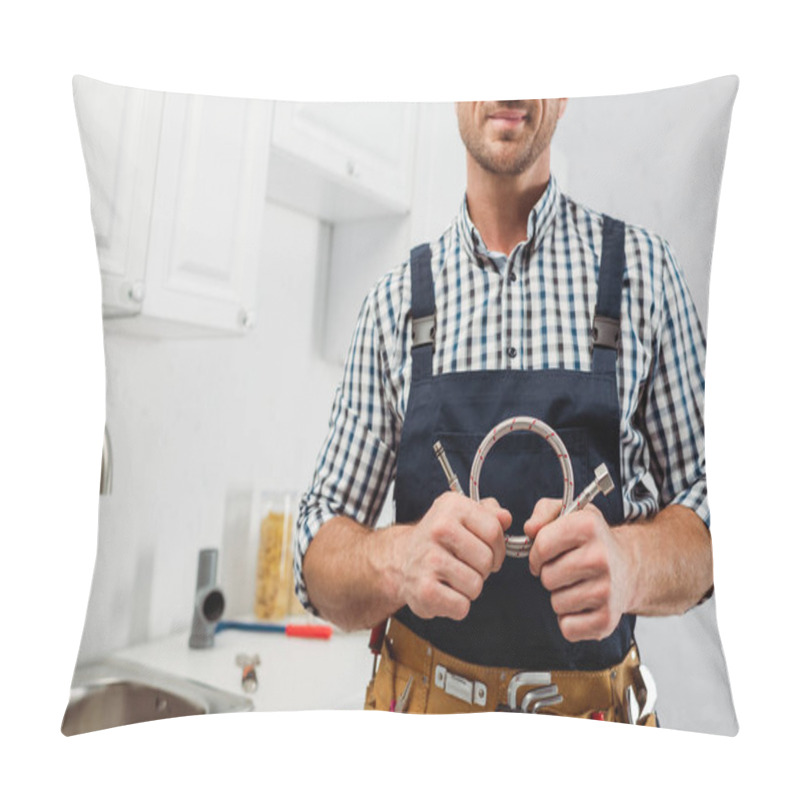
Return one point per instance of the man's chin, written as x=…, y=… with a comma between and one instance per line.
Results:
x=501, y=162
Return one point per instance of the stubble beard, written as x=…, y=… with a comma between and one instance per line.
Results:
x=509, y=160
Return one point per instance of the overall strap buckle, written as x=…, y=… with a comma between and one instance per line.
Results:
x=605, y=332
x=423, y=330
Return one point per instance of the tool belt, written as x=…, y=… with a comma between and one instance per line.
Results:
x=415, y=677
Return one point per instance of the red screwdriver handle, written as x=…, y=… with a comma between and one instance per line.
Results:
x=376, y=638
x=310, y=631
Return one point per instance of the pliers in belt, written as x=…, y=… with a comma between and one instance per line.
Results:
x=402, y=703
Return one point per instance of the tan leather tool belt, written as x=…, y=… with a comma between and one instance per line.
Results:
x=415, y=677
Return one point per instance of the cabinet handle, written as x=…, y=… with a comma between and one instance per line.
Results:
x=136, y=292
x=247, y=319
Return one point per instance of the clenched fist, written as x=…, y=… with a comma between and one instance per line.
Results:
x=583, y=563
x=445, y=558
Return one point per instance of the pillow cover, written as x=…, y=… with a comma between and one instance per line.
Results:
x=237, y=240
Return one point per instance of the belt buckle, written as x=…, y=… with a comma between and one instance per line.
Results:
x=545, y=692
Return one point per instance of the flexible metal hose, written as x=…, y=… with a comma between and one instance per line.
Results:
x=519, y=546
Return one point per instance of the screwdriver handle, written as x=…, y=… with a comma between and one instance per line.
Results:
x=310, y=631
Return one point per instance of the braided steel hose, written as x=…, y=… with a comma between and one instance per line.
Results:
x=519, y=546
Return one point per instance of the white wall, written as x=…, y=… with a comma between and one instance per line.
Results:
x=654, y=159
x=193, y=421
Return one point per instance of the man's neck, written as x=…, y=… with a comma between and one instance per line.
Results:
x=499, y=205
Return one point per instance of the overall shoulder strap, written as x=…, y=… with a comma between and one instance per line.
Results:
x=606, y=322
x=422, y=313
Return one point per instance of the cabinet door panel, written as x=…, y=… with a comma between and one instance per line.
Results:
x=347, y=160
x=208, y=209
x=120, y=130
x=374, y=130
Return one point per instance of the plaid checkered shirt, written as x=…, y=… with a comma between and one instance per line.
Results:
x=529, y=310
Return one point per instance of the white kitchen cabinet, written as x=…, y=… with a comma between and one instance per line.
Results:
x=178, y=185
x=361, y=252
x=120, y=131
x=343, y=161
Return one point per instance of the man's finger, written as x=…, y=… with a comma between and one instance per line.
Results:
x=503, y=514
x=592, y=625
x=441, y=601
x=545, y=511
x=567, y=570
x=564, y=534
x=462, y=578
x=488, y=522
x=579, y=598
x=465, y=546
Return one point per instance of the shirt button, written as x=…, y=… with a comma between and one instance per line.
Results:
x=512, y=276
x=511, y=352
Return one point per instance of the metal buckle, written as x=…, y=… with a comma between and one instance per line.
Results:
x=473, y=692
x=422, y=330
x=605, y=332
x=650, y=694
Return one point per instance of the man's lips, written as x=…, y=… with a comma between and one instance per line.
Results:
x=507, y=114
x=507, y=118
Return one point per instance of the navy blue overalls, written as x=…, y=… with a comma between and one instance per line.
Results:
x=512, y=622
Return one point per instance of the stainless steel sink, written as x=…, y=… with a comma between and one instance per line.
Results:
x=110, y=693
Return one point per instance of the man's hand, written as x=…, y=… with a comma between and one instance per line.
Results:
x=444, y=559
x=583, y=563
x=358, y=576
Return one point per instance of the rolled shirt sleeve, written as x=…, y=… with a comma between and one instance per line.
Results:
x=356, y=463
x=674, y=403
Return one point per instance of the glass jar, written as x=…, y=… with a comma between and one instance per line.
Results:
x=274, y=575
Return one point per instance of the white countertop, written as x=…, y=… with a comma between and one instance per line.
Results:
x=294, y=674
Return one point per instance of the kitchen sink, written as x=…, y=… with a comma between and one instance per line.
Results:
x=113, y=692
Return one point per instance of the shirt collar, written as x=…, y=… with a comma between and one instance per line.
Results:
x=540, y=219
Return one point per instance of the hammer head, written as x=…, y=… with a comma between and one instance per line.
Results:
x=603, y=479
